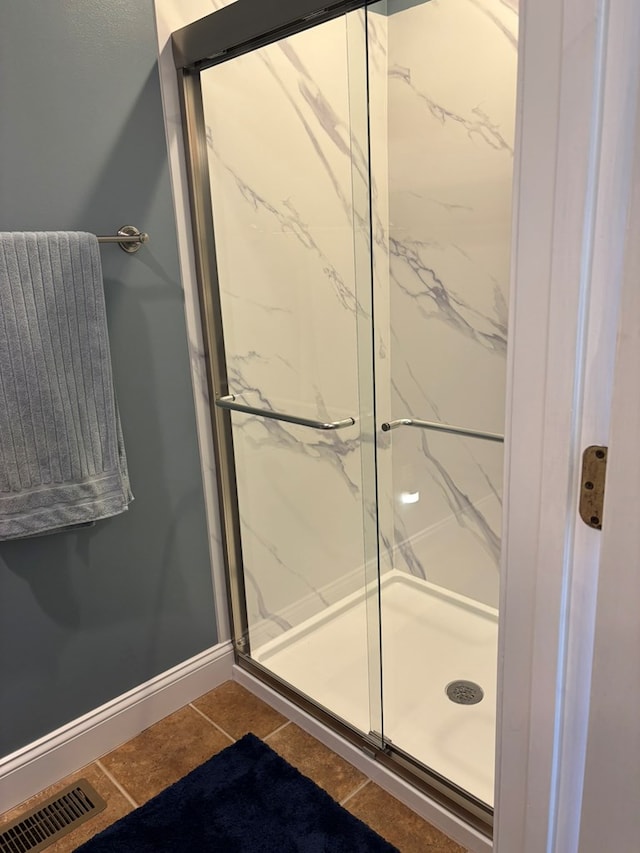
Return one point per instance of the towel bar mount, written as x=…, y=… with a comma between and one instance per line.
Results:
x=129, y=238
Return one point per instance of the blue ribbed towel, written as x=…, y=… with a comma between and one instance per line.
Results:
x=62, y=460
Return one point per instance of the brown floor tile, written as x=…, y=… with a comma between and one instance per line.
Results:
x=238, y=711
x=397, y=823
x=176, y=745
x=117, y=807
x=164, y=753
x=313, y=759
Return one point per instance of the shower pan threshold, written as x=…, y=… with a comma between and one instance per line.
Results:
x=431, y=637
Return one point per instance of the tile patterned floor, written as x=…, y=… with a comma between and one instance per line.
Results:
x=158, y=756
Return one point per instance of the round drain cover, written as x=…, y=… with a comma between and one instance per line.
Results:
x=464, y=692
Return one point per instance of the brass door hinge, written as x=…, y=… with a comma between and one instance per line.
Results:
x=594, y=469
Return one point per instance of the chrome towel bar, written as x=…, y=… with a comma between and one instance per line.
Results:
x=435, y=425
x=228, y=402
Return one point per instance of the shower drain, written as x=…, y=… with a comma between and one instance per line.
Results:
x=464, y=692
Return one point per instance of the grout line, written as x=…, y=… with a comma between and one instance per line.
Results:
x=275, y=731
x=209, y=720
x=355, y=791
x=113, y=779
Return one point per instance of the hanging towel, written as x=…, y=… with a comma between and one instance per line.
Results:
x=62, y=459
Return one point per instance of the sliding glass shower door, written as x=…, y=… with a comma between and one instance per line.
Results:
x=442, y=81
x=351, y=189
x=287, y=152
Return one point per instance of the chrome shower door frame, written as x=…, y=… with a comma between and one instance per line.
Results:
x=236, y=29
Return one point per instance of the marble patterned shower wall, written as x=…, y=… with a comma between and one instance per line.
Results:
x=451, y=118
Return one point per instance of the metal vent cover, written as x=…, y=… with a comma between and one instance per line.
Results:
x=464, y=692
x=39, y=827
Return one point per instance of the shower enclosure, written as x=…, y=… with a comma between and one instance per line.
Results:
x=350, y=172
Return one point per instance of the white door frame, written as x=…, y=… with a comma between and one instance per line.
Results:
x=576, y=129
x=610, y=816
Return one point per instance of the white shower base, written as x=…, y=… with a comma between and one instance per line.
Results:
x=430, y=637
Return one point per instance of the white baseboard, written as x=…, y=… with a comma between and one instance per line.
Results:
x=418, y=802
x=49, y=759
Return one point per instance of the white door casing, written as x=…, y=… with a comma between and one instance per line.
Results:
x=579, y=63
x=610, y=814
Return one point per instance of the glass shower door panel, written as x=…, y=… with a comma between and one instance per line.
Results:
x=286, y=137
x=442, y=93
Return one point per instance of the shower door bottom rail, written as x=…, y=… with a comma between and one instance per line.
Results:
x=228, y=402
x=440, y=789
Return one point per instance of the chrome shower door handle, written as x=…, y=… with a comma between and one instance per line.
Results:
x=228, y=402
x=440, y=427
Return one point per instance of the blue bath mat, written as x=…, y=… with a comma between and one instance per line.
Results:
x=246, y=799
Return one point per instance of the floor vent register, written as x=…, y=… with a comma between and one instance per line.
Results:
x=39, y=827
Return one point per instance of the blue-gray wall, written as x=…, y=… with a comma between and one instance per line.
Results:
x=85, y=617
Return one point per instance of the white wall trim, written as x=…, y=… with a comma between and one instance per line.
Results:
x=537, y=132
x=431, y=811
x=168, y=19
x=49, y=759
